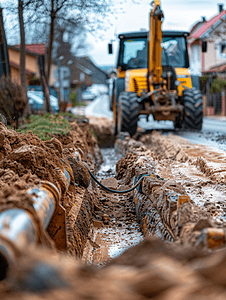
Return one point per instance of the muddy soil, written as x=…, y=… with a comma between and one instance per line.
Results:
x=164, y=240
x=192, y=192
x=26, y=161
x=115, y=226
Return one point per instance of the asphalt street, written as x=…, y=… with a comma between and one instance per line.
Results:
x=213, y=132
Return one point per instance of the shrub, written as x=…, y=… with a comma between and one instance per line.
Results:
x=217, y=85
x=12, y=101
x=202, y=80
x=73, y=97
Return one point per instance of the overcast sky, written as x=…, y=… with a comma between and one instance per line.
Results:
x=179, y=15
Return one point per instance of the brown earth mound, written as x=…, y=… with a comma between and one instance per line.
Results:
x=152, y=269
x=25, y=161
x=182, y=270
x=164, y=207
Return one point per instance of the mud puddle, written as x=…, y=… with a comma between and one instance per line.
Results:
x=119, y=229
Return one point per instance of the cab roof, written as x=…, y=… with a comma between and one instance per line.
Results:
x=144, y=34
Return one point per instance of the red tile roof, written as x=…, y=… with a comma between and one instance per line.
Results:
x=207, y=25
x=35, y=48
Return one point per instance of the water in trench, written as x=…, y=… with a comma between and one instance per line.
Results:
x=121, y=230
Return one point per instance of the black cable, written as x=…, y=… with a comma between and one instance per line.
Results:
x=114, y=191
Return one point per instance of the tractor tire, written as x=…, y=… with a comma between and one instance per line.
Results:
x=178, y=122
x=193, y=109
x=117, y=87
x=115, y=108
x=128, y=112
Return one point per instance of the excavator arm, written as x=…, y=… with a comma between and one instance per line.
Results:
x=155, y=49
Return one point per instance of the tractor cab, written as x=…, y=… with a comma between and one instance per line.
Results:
x=153, y=78
x=133, y=55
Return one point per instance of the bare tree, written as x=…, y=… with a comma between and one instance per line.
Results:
x=22, y=4
x=71, y=12
x=23, y=78
x=91, y=14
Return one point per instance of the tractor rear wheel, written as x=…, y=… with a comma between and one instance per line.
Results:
x=116, y=115
x=117, y=87
x=178, y=122
x=128, y=112
x=193, y=109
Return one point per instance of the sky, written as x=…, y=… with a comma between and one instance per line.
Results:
x=178, y=15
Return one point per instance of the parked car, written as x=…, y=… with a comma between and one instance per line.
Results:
x=94, y=91
x=98, y=89
x=87, y=95
x=36, y=101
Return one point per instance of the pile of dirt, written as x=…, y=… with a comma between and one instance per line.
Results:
x=152, y=269
x=179, y=265
x=102, y=128
x=25, y=161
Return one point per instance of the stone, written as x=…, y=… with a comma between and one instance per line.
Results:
x=80, y=173
x=105, y=217
x=183, y=199
x=97, y=223
x=202, y=223
x=110, y=183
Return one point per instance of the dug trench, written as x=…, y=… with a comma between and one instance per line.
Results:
x=171, y=229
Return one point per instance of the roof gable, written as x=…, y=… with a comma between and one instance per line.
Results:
x=208, y=25
x=196, y=27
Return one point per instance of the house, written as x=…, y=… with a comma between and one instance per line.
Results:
x=93, y=74
x=214, y=33
x=33, y=51
x=83, y=73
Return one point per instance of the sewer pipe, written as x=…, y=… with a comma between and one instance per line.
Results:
x=18, y=227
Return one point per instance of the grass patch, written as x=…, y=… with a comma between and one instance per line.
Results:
x=47, y=126
x=93, y=133
x=82, y=103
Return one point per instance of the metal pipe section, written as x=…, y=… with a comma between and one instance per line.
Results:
x=18, y=227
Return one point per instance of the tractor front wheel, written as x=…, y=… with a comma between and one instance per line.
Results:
x=128, y=112
x=193, y=109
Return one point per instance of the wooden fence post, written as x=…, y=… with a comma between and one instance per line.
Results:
x=223, y=112
x=204, y=104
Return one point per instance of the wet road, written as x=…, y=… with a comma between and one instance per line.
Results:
x=212, y=134
x=209, y=124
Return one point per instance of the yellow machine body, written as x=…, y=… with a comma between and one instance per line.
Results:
x=154, y=65
x=136, y=80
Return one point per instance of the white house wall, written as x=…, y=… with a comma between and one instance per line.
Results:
x=201, y=62
x=195, y=62
x=212, y=57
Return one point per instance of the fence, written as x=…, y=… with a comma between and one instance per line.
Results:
x=214, y=104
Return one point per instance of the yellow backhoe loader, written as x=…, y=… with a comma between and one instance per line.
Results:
x=153, y=78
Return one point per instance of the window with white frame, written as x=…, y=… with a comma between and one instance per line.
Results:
x=221, y=53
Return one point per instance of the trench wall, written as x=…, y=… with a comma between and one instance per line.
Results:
x=163, y=207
